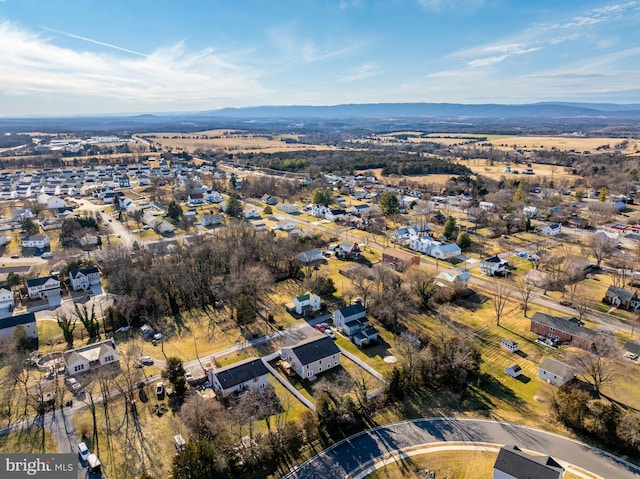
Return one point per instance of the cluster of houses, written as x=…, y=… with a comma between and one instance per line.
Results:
x=307, y=359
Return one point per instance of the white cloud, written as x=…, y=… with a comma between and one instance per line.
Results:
x=440, y=5
x=366, y=70
x=486, y=61
x=33, y=64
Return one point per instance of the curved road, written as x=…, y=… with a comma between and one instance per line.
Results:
x=347, y=456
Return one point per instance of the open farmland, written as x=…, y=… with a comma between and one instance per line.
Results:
x=232, y=141
x=563, y=143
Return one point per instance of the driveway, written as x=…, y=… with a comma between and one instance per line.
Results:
x=348, y=456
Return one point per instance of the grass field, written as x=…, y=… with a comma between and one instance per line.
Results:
x=563, y=143
x=231, y=140
x=28, y=441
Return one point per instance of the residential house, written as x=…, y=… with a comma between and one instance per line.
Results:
x=445, y=251
x=555, y=372
x=335, y=214
x=36, y=241
x=456, y=279
x=90, y=357
x=210, y=220
x=438, y=218
x=349, y=250
x=466, y=200
x=423, y=244
x=540, y=279
x=398, y=259
x=512, y=463
x=269, y=200
x=312, y=356
x=307, y=303
x=307, y=257
x=287, y=207
x=563, y=330
x=26, y=320
x=83, y=279
x=621, y=297
x=250, y=373
x=494, y=266
x=360, y=210
x=530, y=211
x=552, y=229
x=40, y=288
x=6, y=297
x=212, y=197
x=319, y=211
x=487, y=206
x=345, y=314
x=510, y=345
x=195, y=198
x=404, y=234
x=251, y=213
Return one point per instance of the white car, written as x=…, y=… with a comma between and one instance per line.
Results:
x=330, y=333
x=160, y=389
x=145, y=360
x=83, y=452
x=157, y=336
x=188, y=376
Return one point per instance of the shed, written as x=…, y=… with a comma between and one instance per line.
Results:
x=510, y=345
x=514, y=370
x=179, y=442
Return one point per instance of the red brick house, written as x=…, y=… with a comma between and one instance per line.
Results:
x=399, y=260
x=563, y=330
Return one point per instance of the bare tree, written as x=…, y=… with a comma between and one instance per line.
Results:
x=500, y=294
x=599, y=367
x=600, y=246
x=525, y=290
x=581, y=302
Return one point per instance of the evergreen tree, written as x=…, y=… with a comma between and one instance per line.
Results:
x=174, y=210
x=389, y=203
x=449, y=227
x=174, y=373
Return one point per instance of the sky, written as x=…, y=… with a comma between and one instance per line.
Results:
x=68, y=57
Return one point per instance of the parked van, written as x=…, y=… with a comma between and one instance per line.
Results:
x=94, y=463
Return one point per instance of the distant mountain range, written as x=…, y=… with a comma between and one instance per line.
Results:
x=558, y=116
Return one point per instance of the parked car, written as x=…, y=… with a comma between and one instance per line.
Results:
x=157, y=336
x=47, y=255
x=320, y=328
x=83, y=452
x=565, y=302
x=123, y=329
x=330, y=333
x=160, y=389
x=145, y=360
x=188, y=375
x=15, y=256
x=74, y=386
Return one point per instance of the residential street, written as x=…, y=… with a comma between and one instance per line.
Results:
x=347, y=457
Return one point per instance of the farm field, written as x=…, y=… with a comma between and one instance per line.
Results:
x=231, y=140
x=564, y=143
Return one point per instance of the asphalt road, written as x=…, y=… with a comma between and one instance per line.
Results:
x=346, y=457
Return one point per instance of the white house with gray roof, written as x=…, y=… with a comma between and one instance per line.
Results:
x=83, y=279
x=312, y=356
x=26, y=320
x=41, y=288
x=91, y=357
x=513, y=463
x=248, y=374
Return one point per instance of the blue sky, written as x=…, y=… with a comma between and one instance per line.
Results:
x=61, y=57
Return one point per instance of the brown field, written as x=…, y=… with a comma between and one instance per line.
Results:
x=422, y=179
x=231, y=140
x=563, y=143
x=482, y=167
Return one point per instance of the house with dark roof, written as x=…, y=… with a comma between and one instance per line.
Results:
x=90, y=357
x=493, y=266
x=26, y=320
x=312, y=356
x=353, y=312
x=564, y=330
x=555, y=372
x=620, y=297
x=41, y=288
x=513, y=463
x=398, y=259
x=248, y=374
x=83, y=279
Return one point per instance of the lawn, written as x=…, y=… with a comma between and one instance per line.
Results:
x=28, y=441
